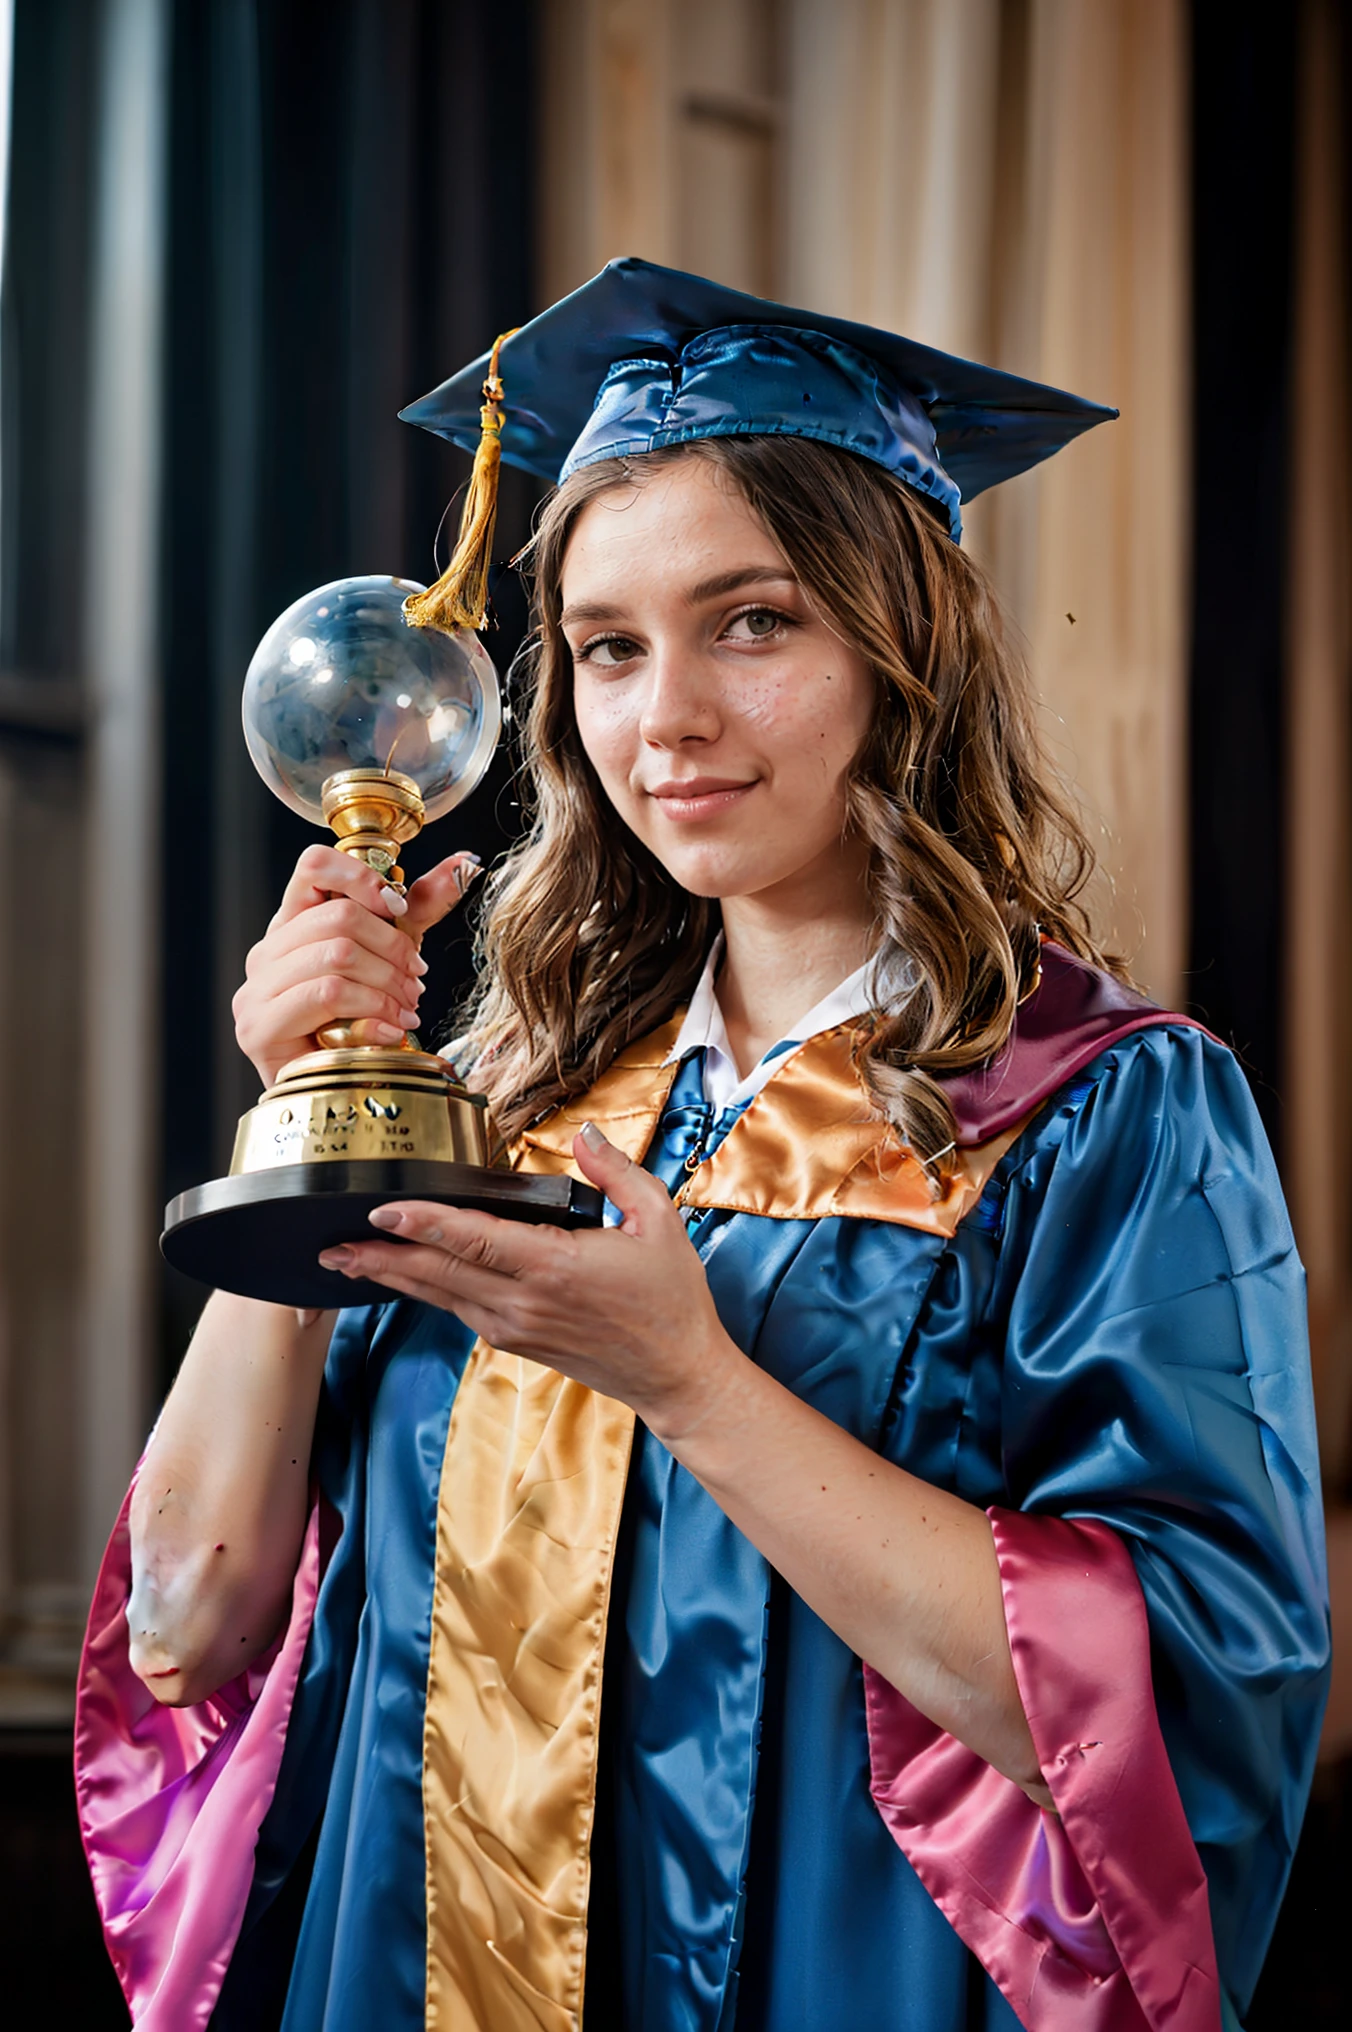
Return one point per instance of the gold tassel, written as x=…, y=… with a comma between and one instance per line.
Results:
x=459, y=599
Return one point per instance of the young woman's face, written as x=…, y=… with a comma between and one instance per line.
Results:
x=719, y=710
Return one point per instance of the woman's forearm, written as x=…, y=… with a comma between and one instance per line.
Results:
x=220, y=1504
x=904, y=1573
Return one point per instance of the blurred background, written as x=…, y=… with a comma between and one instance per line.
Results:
x=238, y=234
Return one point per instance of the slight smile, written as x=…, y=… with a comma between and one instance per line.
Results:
x=698, y=797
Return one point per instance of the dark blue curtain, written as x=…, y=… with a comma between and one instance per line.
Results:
x=1245, y=131
x=1243, y=116
x=351, y=198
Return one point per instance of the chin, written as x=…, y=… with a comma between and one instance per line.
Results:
x=714, y=881
x=696, y=881
x=715, y=869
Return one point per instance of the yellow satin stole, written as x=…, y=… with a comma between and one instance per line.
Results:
x=531, y=1490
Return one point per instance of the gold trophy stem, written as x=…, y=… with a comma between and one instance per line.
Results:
x=373, y=812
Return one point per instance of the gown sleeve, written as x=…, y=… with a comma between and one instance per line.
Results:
x=1161, y=1561
x=171, y=1800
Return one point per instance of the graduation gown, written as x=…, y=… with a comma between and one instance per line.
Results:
x=545, y=1734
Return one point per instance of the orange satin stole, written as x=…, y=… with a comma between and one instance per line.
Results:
x=532, y=1487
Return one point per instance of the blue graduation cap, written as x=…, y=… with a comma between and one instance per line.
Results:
x=641, y=357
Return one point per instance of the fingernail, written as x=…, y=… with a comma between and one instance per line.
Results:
x=394, y=902
x=415, y=989
x=409, y=1018
x=466, y=855
x=335, y=1259
x=592, y=1136
x=418, y=963
x=384, y=1217
x=390, y=1031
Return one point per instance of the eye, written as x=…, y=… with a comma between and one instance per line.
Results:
x=758, y=624
x=607, y=652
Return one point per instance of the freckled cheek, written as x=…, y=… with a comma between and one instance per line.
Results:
x=764, y=705
x=609, y=735
x=836, y=721
x=812, y=737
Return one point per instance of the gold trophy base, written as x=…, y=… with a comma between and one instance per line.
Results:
x=340, y=1133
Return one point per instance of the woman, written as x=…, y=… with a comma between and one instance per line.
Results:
x=878, y=1580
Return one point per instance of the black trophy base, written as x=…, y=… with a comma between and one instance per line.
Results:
x=260, y=1233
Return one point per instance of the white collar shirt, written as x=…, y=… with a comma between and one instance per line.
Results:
x=724, y=1086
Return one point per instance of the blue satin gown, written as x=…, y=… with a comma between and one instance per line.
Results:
x=1115, y=1332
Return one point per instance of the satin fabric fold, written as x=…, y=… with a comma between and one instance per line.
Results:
x=752, y=377
x=624, y=1103
x=809, y=1147
x=1093, y=1918
x=535, y=1469
x=525, y=1553
x=1157, y=1450
x=1076, y=1013
x=171, y=1799
x=524, y=1559
x=1114, y=1333
x=353, y=1786
x=704, y=1622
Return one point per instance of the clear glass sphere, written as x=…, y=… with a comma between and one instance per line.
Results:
x=342, y=681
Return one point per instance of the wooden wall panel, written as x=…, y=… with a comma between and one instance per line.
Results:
x=659, y=135
x=1010, y=181
x=1100, y=305
x=889, y=162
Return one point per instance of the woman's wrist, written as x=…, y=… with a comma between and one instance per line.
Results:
x=696, y=1417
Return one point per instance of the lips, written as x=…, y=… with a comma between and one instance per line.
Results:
x=699, y=797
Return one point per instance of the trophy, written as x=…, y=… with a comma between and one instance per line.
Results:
x=367, y=723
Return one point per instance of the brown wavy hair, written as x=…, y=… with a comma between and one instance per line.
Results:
x=587, y=943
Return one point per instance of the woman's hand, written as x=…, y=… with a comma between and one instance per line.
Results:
x=625, y=1310
x=342, y=945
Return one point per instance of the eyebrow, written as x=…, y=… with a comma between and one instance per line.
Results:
x=696, y=595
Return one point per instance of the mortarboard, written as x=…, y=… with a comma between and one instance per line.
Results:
x=641, y=357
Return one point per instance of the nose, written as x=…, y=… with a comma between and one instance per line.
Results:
x=680, y=703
